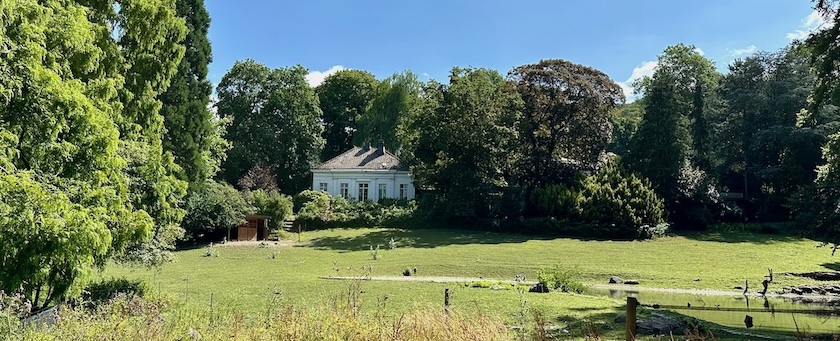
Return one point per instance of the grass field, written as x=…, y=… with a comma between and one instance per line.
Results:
x=253, y=278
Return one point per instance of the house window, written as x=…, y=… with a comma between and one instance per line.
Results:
x=363, y=192
x=403, y=191
x=383, y=191
x=323, y=187
x=344, y=190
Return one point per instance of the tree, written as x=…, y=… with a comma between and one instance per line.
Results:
x=275, y=122
x=190, y=126
x=660, y=145
x=769, y=145
x=621, y=204
x=625, y=122
x=271, y=203
x=344, y=96
x=566, y=123
x=671, y=147
x=78, y=87
x=212, y=208
x=465, y=141
x=149, y=44
x=395, y=100
x=824, y=47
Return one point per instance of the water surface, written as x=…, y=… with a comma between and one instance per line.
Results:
x=768, y=313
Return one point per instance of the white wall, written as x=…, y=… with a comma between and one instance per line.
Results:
x=391, y=179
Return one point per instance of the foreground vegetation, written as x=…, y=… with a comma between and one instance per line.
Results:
x=137, y=319
x=253, y=279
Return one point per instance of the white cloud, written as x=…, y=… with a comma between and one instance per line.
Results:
x=811, y=23
x=644, y=69
x=315, y=78
x=700, y=51
x=813, y=20
x=744, y=51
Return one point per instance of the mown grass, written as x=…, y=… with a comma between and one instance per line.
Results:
x=249, y=279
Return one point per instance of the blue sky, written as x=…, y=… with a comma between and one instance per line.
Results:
x=620, y=38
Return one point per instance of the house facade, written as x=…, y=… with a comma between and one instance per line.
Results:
x=364, y=173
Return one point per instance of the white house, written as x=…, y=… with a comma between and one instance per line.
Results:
x=364, y=173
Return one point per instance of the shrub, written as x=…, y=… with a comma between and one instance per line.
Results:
x=272, y=204
x=211, y=251
x=406, y=272
x=612, y=203
x=555, y=201
x=621, y=204
x=13, y=308
x=317, y=212
x=320, y=198
x=107, y=289
x=560, y=278
x=213, y=207
x=313, y=207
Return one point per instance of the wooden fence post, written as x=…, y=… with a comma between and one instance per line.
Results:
x=630, y=332
x=446, y=300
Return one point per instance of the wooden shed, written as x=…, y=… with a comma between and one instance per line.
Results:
x=254, y=228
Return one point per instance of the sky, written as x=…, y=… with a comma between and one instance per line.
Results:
x=622, y=38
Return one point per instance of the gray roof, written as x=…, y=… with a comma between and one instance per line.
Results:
x=365, y=158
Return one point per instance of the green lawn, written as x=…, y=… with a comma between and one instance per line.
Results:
x=248, y=278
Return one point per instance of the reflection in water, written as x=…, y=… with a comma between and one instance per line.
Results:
x=769, y=313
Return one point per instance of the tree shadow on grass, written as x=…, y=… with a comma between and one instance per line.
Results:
x=738, y=237
x=833, y=266
x=590, y=325
x=420, y=238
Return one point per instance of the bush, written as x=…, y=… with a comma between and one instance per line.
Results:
x=555, y=201
x=320, y=211
x=320, y=198
x=107, y=289
x=612, y=203
x=621, y=204
x=560, y=278
x=213, y=207
x=272, y=204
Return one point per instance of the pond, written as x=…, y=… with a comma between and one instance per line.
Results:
x=768, y=313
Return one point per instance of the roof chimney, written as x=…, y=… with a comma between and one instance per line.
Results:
x=380, y=146
x=366, y=146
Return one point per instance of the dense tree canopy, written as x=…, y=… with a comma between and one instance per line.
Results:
x=191, y=134
x=825, y=52
x=566, y=121
x=212, y=208
x=820, y=209
x=768, y=149
x=625, y=121
x=276, y=123
x=395, y=100
x=465, y=144
x=83, y=174
x=343, y=97
x=671, y=146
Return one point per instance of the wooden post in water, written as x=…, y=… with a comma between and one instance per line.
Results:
x=446, y=300
x=630, y=331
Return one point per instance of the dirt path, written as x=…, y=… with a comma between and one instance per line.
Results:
x=709, y=292
x=281, y=243
x=431, y=279
x=631, y=288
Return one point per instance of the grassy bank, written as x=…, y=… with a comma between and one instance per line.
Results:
x=253, y=278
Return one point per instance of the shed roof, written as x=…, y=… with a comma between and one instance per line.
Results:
x=365, y=157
